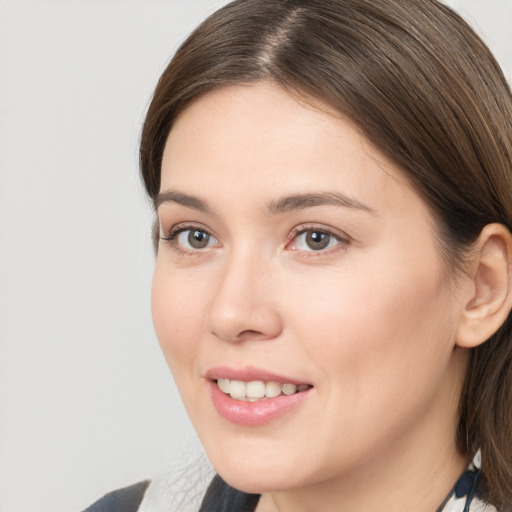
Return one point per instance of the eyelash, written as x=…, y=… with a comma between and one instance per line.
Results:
x=342, y=240
x=172, y=238
x=177, y=230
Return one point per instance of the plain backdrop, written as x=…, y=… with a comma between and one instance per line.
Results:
x=86, y=401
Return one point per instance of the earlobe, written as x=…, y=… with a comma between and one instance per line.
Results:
x=491, y=299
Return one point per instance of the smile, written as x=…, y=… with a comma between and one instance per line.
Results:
x=256, y=390
x=255, y=396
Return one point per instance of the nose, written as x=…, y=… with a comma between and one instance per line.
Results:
x=245, y=303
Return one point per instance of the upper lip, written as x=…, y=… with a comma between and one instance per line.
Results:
x=248, y=374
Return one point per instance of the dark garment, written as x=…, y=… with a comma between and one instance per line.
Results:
x=221, y=497
x=122, y=500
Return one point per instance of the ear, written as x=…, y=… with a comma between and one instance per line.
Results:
x=491, y=296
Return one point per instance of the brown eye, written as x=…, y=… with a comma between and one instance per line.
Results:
x=189, y=239
x=197, y=239
x=316, y=240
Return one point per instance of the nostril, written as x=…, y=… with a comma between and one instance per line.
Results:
x=249, y=334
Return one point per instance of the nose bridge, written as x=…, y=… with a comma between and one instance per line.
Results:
x=243, y=305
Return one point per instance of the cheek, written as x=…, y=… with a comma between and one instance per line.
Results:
x=176, y=308
x=381, y=341
x=379, y=326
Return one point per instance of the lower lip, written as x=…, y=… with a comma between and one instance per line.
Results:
x=254, y=413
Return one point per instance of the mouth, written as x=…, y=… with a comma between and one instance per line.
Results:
x=258, y=390
x=255, y=397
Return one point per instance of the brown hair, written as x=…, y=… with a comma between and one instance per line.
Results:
x=427, y=92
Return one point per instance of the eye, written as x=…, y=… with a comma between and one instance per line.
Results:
x=189, y=238
x=194, y=238
x=315, y=240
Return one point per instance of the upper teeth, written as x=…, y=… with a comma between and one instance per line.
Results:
x=257, y=389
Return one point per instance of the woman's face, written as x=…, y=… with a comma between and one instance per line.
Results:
x=295, y=257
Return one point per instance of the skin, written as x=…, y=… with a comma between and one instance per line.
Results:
x=371, y=321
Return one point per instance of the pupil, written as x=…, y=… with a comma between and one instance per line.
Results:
x=317, y=240
x=198, y=239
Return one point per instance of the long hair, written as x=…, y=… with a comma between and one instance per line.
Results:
x=427, y=92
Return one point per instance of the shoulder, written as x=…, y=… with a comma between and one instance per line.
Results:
x=127, y=499
x=163, y=493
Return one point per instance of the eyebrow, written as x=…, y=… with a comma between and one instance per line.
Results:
x=172, y=196
x=282, y=205
x=302, y=201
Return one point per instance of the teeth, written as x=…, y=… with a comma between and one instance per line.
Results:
x=257, y=389
x=289, y=389
x=237, y=389
x=272, y=389
x=223, y=385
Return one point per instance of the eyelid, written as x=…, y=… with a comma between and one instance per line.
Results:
x=341, y=237
x=172, y=238
x=175, y=229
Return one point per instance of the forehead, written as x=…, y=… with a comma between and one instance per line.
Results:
x=259, y=138
x=259, y=120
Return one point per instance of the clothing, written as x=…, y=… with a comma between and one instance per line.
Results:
x=220, y=497
x=125, y=500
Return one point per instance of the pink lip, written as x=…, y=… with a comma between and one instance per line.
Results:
x=252, y=413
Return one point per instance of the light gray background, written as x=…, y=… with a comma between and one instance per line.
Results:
x=86, y=401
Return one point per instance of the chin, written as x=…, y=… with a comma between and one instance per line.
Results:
x=262, y=474
x=254, y=482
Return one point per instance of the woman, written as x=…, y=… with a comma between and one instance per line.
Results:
x=332, y=290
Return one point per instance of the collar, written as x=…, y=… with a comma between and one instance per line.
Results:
x=464, y=497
